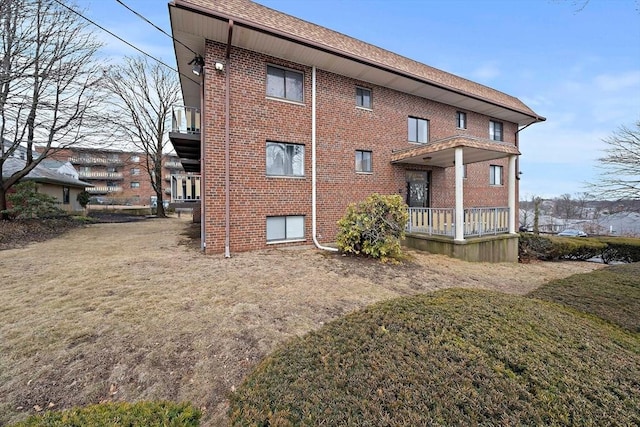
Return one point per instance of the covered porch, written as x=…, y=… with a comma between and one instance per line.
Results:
x=470, y=233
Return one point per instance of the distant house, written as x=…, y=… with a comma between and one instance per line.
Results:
x=62, y=187
x=292, y=122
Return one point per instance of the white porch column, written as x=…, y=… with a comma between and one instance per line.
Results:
x=459, y=211
x=512, y=194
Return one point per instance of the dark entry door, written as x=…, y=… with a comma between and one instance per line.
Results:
x=418, y=189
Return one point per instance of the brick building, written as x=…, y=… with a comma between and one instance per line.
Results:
x=117, y=176
x=293, y=121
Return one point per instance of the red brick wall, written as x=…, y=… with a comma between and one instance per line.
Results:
x=342, y=128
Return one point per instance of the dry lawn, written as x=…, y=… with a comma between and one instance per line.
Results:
x=133, y=311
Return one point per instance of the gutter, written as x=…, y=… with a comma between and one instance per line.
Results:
x=314, y=183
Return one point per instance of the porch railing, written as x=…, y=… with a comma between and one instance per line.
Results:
x=441, y=221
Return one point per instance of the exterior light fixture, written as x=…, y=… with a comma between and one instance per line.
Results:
x=198, y=65
x=219, y=66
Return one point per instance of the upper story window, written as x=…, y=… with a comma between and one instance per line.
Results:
x=363, y=97
x=285, y=159
x=135, y=184
x=495, y=175
x=461, y=120
x=135, y=171
x=418, y=130
x=495, y=130
x=284, y=83
x=363, y=161
x=135, y=159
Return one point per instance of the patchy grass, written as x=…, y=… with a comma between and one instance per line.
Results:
x=453, y=357
x=612, y=294
x=167, y=414
x=133, y=311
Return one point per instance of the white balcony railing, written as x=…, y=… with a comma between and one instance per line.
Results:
x=104, y=189
x=90, y=160
x=100, y=175
x=185, y=120
x=441, y=221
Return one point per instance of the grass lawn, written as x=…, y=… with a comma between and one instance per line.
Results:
x=455, y=357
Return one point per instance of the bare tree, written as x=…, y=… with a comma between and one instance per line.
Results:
x=565, y=206
x=144, y=94
x=48, y=83
x=620, y=178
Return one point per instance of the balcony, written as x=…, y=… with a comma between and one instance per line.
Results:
x=91, y=160
x=105, y=189
x=101, y=175
x=173, y=165
x=185, y=136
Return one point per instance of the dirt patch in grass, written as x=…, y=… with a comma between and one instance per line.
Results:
x=133, y=311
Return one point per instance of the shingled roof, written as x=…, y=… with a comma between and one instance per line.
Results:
x=41, y=174
x=248, y=13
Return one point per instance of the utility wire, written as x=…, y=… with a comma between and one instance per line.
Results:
x=124, y=41
x=144, y=18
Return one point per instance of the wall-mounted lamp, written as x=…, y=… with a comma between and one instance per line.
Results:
x=219, y=66
x=198, y=65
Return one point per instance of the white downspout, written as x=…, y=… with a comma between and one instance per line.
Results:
x=314, y=186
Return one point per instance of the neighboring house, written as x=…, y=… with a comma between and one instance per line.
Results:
x=62, y=187
x=65, y=168
x=292, y=122
x=119, y=176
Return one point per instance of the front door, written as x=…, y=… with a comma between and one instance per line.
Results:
x=418, y=189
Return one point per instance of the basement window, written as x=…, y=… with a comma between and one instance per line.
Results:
x=285, y=228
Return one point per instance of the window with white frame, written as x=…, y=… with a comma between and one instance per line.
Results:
x=495, y=175
x=282, y=228
x=418, y=130
x=135, y=184
x=461, y=120
x=284, y=83
x=135, y=159
x=495, y=130
x=135, y=171
x=285, y=159
x=363, y=97
x=363, y=161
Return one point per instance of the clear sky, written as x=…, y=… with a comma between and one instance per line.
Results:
x=575, y=62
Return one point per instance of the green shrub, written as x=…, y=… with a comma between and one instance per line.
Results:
x=140, y=414
x=454, y=357
x=620, y=249
x=374, y=227
x=83, y=198
x=26, y=202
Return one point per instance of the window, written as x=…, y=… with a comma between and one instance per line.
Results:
x=495, y=130
x=418, y=130
x=281, y=228
x=111, y=169
x=495, y=175
x=464, y=171
x=285, y=159
x=135, y=184
x=135, y=159
x=135, y=171
x=461, y=120
x=363, y=161
x=363, y=97
x=286, y=84
x=65, y=195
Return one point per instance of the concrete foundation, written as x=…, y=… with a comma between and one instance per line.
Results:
x=500, y=248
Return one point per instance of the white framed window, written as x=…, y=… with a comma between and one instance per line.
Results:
x=418, y=130
x=363, y=97
x=135, y=159
x=461, y=120
x=135, y=184
x=495, y=130
x=495, y=175
x=135, y=171
x=283, y=228
x=284, y=159
x=363, y=161
x=284, y=83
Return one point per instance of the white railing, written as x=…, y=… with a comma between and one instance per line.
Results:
x=172, y=165
x=441, y=221
x=85, y=160
x=185, y=119
x=104, y=189
x=100, y=175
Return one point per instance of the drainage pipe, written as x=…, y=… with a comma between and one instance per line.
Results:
x=227, y=162
x=314, y=184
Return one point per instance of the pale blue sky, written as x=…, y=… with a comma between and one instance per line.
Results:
x=578, y=68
